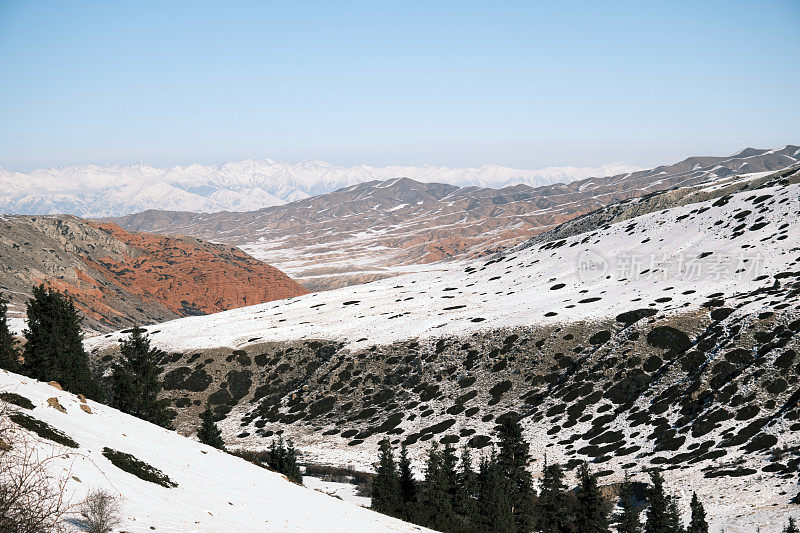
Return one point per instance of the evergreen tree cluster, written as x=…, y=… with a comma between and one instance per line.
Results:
x=54, y=352
x=283, y=459
x=499, y=495
x=54, y=344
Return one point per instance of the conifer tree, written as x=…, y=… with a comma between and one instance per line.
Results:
x=54, y=348
x=698, y=523
x=449, y=462
x=436, y=499
x=408, y=485
x=466, y=503
x=277, y=455
x=135, y=380
x=290, y=467
x=590, y=513
x=628, y=517
x=551, y=506
x=209, y=433
x=674, y=524
x=386, y=496
x=9, y=355
x=791, y=527
x=657, y=519
x=513, y=459
x=494, y=502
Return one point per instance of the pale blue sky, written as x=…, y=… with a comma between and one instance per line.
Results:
x=459, y=83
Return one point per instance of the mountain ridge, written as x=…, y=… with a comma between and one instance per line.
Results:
x=379, y=228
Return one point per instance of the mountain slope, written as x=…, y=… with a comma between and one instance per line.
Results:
x=93, y=191
x=669, y=339
x=379, y=228
x=119, y=278
x=215, y=492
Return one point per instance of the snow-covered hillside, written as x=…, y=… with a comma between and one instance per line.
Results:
x=663, y=259
x=667, y=339
x=112, y=190
x=215, y=492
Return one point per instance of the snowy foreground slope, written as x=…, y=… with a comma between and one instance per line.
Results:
x=216, y=492
x=658, y=255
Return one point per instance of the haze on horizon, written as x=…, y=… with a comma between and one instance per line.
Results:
x=456, y=84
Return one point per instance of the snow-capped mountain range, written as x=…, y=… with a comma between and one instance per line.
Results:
x=113, y=190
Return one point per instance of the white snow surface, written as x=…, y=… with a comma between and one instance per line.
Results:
x=447, y=298
x=216, y=492
x=112, y=190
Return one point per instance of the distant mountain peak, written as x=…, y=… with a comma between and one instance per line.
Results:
x=110, y=190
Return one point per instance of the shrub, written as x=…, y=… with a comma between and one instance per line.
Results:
x=31, y=497
x=16, y=399
x=140, y=469
x=100, y=511
x=43, y=429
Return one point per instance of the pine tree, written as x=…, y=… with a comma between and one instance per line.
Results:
x=209, y=433
x=277, y=455
x=513, y=459
x=657, y=519
x=54, y=348
x=698, y=523
x=791, y=527
x=590, y=513
x=674, y=524
x=494, y=500
x=290, y=467
x=135, y=380
x=551, y=507
x=408, y=485
x=628, y=517
x=466, y=503
x=386, y=497
x=9, y=355
x=436, y=499
x=449, y=462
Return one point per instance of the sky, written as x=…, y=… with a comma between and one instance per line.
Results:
x=524, y=84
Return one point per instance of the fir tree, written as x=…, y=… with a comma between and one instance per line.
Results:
x=209, y=433
x=135, y=380
x=436, y=499
x=9, y=355
x=698, y=523
x=657, y=519
x=494, y=501
x=290, y=467
x=277, y=455
x=551, y=507
x=791, y=527
x=466, y=503
x=590, y=513
x=449, y=462
x=674, y=524
x=513, y=459
x=386, y=497
x=54, y=344
x=628, y=517
x=408, y=485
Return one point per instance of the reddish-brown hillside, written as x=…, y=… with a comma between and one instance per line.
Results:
x=118, y=277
